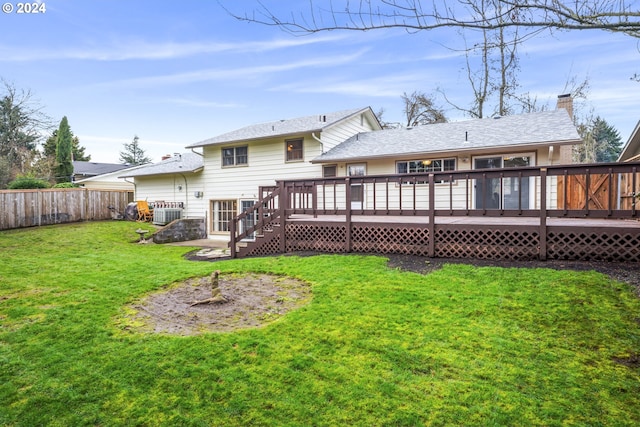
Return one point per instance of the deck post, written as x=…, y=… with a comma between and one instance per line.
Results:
x=232, y=241
x=283, y=202
x=347, y=222
x=431, y=250
x=314, y=198
x=543, y=214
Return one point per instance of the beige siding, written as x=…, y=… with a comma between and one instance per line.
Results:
x=266, y=165
x=111, y=184
x=174, y=188
x=345, y=130
x=459, y=190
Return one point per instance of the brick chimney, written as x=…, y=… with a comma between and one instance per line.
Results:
x=565, y=101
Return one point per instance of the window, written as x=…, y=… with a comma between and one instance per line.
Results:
x=330, y=171
x=235, y=156
x=223, y=212
x=425, y=166
x=294, y=150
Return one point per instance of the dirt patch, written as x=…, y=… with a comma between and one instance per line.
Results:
x=253, y=301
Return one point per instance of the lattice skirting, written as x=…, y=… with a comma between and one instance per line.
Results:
x=267, y=244
x=316, y=237
x=487, y=242
x=390, y=239
x=455, y=241
x=602, y=244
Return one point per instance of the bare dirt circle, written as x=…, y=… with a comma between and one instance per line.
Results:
x=253, y=300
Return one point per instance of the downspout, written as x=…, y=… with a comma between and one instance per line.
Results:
x=186, y=192
x=313, y=135
x=203, y=188
x=135, y=188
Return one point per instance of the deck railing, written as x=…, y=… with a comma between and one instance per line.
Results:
x=608, y=190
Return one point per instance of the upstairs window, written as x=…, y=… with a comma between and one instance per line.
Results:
x=293, y=148
x=235, y=156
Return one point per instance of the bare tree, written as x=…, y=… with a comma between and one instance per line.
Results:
x=22, y=122
x=491, y=67
x=421, y=109
x=418, y=15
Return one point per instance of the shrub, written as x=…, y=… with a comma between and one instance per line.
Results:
x=64, y=185
x=27, y=182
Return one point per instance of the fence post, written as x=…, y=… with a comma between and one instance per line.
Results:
x=543, y=215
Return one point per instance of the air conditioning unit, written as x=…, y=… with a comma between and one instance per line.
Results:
x=163, y=216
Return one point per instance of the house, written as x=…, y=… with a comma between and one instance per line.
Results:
x=630, y=153
x=106, y=181
x=238, y=163
x=534, y=139
x=225, y=180
x=83, y=170
x=177, y=180
x=631, y=150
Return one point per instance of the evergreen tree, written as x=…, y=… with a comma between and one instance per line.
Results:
x=601, y=142
x=49, y=147
x=609, y=140
x=133, y=154
x=64, y=165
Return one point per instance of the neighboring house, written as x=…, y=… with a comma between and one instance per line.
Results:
x=175, y=180
x=237, y=163
x=631, y=151
x=627, y=187
x=107, y=181
x=83, y=170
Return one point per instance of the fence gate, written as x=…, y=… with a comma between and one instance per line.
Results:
x=599, y=190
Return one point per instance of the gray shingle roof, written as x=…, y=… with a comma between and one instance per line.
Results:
x=549, y=127
x=185, y=162
x=93, y=168
x=297, y=125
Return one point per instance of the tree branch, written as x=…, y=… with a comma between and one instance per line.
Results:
x=423, y=15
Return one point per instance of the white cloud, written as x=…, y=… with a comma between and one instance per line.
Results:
x=124, y=50
x=189, y=102
x=235, y=73
x=382, y=86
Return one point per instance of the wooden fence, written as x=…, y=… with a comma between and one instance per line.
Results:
x=30, y=208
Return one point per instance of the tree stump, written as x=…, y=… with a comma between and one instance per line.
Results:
x=216, y=296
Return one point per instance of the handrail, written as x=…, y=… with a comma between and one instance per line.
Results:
x=603, y=190
x=266, y=211
x=594, y=183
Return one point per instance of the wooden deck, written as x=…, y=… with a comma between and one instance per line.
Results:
x=584, y=223
x=443, y=215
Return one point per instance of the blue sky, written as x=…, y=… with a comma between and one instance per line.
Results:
x=176, y=73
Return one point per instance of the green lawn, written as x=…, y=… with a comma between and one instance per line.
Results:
x=376, y=346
